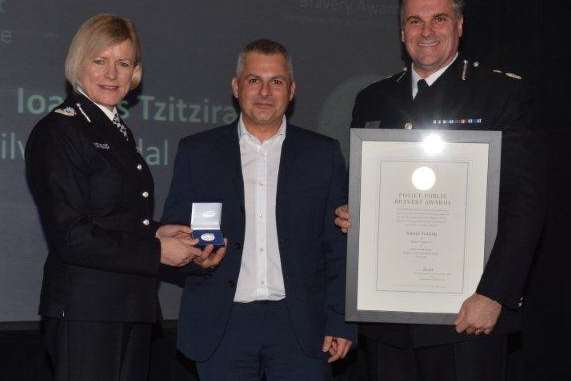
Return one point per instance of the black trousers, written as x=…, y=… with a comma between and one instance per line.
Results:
x=481, y=359
x=98, y=351
x=260, y=344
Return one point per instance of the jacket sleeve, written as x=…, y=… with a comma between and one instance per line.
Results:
x=522, y=201
x=59, y=179
x=358, y=111
x=335, y=247
x=177, y=209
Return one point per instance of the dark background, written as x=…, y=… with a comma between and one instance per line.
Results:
x=189, y=53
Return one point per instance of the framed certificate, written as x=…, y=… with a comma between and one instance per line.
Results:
x=424, y=212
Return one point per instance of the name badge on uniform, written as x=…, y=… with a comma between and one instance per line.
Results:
x=101, y=145
x=205, y=223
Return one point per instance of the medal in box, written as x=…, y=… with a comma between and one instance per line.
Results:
x=205, y=223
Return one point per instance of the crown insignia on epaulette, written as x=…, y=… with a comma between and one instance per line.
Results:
x=512, y=75
x=68, y=111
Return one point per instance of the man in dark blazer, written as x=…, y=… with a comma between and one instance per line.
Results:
x=275, y=306
x=443, y=90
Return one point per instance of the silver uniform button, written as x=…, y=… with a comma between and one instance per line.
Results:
x=145, y=194
x=146, y=222
x=139, y=167
x=408, y=126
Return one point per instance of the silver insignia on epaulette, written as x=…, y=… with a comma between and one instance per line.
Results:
x=68, y=111
x=498, y=71
x=512, y=75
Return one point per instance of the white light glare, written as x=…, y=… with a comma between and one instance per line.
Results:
x=433, y=144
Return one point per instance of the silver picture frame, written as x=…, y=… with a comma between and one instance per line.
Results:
x=383, y=282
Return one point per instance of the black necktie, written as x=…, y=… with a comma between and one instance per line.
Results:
x=421, y=86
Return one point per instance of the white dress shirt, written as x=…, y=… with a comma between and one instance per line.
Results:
x=430, y=79
x=261, y=276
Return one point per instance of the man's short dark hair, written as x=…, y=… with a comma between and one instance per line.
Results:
x=458, y=6
x=267, y=47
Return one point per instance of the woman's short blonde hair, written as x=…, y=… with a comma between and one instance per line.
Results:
x=98, y=33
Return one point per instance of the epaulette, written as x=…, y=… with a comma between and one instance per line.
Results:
x=508, y=74
x=513, y=75
x=68, y=111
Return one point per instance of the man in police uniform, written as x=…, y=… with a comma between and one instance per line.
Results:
x=441, y=89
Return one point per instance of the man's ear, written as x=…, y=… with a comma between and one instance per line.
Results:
x=291, y=91
x=235, y=87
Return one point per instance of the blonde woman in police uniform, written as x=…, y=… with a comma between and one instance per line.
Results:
x=94, y=194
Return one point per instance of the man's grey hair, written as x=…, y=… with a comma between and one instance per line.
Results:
x=267, y=47
x=457, y=5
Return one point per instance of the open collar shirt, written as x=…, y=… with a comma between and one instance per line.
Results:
x=261, y=276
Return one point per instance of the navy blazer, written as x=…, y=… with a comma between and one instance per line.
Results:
x=311, y=184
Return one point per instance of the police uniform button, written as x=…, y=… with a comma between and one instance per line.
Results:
x=408, y=126
x=146, y=222
x=139, y=167
x=145, y=194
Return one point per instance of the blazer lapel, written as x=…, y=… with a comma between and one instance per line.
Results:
x=229, y=149
x=292, y=152
x=290, y=148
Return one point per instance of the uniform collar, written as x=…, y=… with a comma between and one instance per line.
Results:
x=110, y=114
x=432, y=77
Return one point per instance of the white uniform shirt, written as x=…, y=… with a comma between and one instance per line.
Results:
x=110, y=114
x=261, y=276
x=430, y=79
